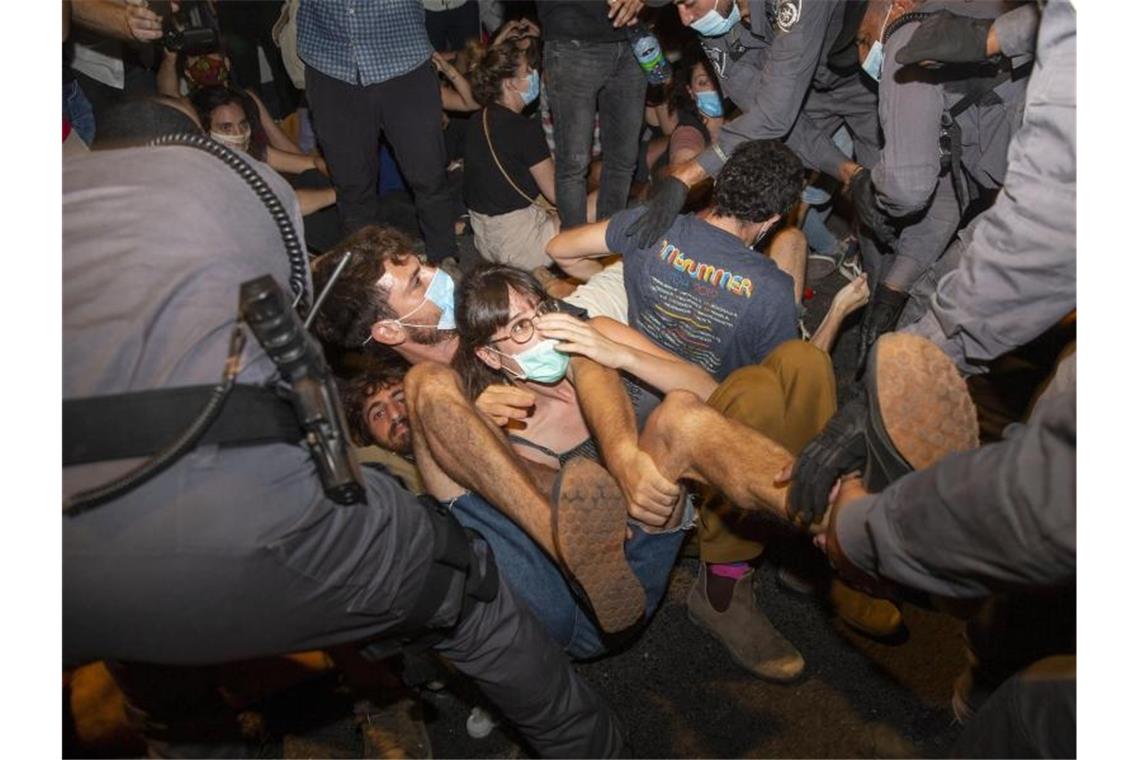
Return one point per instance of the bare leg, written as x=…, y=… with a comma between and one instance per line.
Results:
x=689, y=439
x=789, y=250
x=458, y=449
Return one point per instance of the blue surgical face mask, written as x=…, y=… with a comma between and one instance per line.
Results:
x=873, y=63
x=541, y=362
x=532, y=87
x=712, y=24
x=441, y=292
x=709, y=103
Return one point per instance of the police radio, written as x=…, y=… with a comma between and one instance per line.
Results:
x=308, y=385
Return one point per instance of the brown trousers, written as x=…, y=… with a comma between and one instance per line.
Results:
x=788, y=397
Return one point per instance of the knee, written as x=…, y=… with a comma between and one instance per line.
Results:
x=800, y=355
x=679, y=415
x=789, y=242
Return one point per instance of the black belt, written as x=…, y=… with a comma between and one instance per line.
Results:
x=131, y=425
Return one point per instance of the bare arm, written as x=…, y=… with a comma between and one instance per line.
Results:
x=314, y=200
x=853, y=296
x=166, y=79
x=614, y=345
x=291, y=163
x=457, y=97
x=575, y=249
x=685, y=144
x=543, y=173
x=126, y=20
x=277, y=137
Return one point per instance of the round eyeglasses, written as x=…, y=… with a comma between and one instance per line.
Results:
x=523, y=330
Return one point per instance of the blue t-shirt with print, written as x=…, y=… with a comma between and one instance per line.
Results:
x=702, y=294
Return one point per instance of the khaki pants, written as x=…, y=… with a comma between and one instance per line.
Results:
x=788, y=397
x=517, y=238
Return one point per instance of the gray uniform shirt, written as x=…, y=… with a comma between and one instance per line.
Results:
x=768, y=69
x=1017, y=273
x=1001, y=517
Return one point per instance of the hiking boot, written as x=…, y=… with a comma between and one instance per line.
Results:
x=589, y=517
x=875, y=617
x=920, y=400
x=752, y=641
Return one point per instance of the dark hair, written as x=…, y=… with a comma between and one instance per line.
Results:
x=490, y=66
x=206, y=99
x=679, y=97
x=355, y=390
x=357, y=301
x=762, y=178
x=136, y=122
x=483, y=306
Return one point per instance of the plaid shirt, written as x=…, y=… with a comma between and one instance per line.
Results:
x=362, y=41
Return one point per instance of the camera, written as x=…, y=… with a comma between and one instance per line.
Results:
x=192, y=29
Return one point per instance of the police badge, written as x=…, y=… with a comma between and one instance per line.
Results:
x=787, y=14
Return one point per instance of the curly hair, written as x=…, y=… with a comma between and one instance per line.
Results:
x=356, y=390
x=482, y=306
x=356, y=300
x=491, y=65
x=762, y=178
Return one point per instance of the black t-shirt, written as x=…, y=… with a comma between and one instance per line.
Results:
x=704, y=295
x=584, y=20
x=519, y=143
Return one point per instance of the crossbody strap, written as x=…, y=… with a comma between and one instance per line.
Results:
x=495, y=157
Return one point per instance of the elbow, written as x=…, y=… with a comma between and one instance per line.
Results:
x=903, y=197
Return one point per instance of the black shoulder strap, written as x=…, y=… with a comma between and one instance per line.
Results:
x=130, y=425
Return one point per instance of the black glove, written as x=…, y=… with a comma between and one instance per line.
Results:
x=881, y=315
x=663, y=207
x=840, y=448
x=871, y=216
x=947, y=38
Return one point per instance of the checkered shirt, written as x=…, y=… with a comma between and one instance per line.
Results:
x=362, y=41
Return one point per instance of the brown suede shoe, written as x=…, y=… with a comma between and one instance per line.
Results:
x=867, y=614
x=589, y=533
x=752, y=641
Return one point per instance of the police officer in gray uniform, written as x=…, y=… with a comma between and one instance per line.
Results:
x=946, y=135
x=1016, y=276
x=792, y=72
x=237, y=552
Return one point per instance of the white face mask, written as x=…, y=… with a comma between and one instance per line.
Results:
x=238, y=142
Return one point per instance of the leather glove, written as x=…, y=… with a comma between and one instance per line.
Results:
x=840, y=448
x=947, y=38
x=870, y=215
x=663, y=207
x=880, y=316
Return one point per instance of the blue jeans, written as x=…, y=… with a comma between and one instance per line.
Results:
x=537, y=581
x=820, y=238
x=583, y=78
x=77, y=108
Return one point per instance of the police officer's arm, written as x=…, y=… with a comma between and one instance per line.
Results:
x=997, y=518
x=1017, y=274
x=910, y=111
x=780, y=87
x=576, y=249
x=1014, y=33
